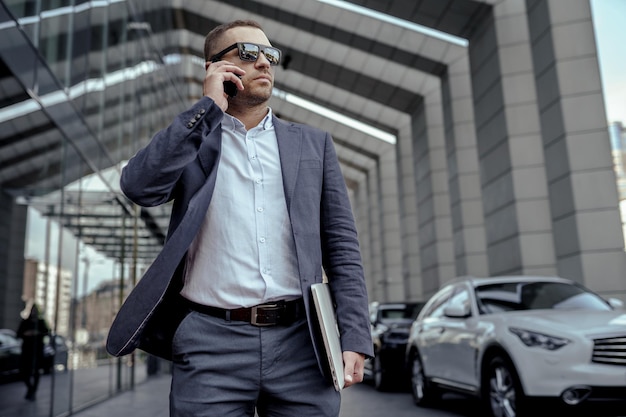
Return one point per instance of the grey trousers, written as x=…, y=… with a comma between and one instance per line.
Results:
x=232, y=369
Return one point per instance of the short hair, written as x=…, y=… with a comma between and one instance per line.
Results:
x=212, y=37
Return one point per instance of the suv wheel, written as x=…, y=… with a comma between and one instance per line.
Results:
x=423, y=393
x=381, y=379
x=504, y=396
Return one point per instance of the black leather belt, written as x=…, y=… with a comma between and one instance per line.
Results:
x=268, y=314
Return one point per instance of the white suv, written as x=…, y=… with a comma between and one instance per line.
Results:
x=507, y=339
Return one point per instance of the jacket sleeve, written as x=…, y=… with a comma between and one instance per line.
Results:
x=150, y=177
x=342, y=258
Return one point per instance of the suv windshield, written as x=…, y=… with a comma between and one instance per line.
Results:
x=493, y=298
x=398, y=312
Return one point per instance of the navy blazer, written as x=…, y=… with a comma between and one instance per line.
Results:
x=180, y=164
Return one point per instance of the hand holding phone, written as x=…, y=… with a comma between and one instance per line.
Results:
x=230, y=87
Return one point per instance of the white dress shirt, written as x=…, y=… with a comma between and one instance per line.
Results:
x=244, y=253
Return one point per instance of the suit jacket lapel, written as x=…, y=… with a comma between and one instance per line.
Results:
x=289, y=147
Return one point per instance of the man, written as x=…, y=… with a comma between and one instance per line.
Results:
x=260, y=206
x=32, y=330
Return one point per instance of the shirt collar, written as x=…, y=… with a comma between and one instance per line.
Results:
x=268, y=120
x=232, y=123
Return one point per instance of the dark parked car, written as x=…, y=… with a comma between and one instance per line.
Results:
x=55, y=353
x=10, y=350
x=390, y=325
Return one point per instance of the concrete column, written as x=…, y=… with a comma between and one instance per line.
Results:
x=467, y=213
x=361, y=210
x=431, y=176
x=390, y=221
x=510, y=150
x=378, y=290
x=581, y=181
x=408, y=215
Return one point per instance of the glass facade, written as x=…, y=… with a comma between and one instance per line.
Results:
x=82, y=83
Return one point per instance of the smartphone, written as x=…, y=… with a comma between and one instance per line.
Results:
x=229, y=87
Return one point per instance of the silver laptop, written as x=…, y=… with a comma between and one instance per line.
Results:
x=327, y=319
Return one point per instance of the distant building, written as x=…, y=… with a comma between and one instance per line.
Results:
x=622, y=206
x=618, y=148
x=617, y=133
x=96, y=310
x=40, y=285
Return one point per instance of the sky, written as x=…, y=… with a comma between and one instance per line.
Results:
x=610, y=24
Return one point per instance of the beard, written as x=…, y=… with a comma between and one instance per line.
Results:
x=254, y=97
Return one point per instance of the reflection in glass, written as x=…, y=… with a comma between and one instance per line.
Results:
x=81, y=90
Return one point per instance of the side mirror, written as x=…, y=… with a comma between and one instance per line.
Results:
x=616, y=303
x=457, y=311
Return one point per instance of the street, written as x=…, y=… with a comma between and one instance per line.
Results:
x=93, y=385
x=363, y=400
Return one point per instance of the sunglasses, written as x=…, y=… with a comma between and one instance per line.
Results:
x=250, y=52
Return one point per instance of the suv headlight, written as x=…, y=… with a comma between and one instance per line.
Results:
x=534, y=339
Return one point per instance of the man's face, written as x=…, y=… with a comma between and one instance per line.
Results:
x=259, y=78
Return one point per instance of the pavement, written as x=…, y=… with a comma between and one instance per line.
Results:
x=148, y=399
x=151, y=399
x=87, y=390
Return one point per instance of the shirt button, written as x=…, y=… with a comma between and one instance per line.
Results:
x=259, y=209
x=262, y=240
x=258, y=181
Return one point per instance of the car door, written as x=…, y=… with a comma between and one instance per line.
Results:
x=429, y=332
x=459, y=339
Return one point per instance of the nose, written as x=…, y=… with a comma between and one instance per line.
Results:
x=262, y=60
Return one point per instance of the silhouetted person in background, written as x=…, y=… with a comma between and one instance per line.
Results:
x=32, y=331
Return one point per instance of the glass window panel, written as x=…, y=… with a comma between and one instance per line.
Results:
x=44, y=150
x=53, y=45
x=81, y=44
x=21, y=8
x=54, y=4
x=11, y=91
x=48, y=85
x=19, y=56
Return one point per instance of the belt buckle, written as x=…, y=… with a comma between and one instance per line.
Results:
x=254, y=313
